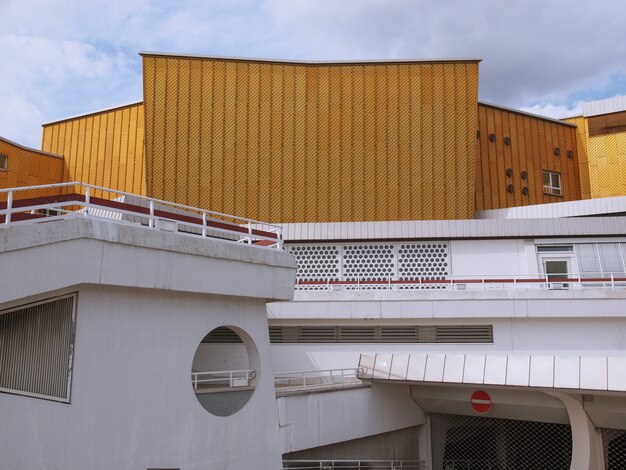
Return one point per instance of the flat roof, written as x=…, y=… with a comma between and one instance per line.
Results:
x=93, y=113
x=23, y=147
x=574, y=227
x=588, y=207
x=607, y=106
x=308, y=62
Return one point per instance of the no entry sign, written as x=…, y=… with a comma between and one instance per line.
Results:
x=481, y=401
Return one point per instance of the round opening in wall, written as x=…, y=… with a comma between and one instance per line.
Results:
x=507, y=140
x=510, y=188
x=509, y=172
x=492, y=137
x=524, y=175
x=224, y=371
x=570, y=154
x=525, y=191
x=557, y=151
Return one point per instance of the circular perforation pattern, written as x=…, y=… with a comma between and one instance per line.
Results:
x=369, y=262
x=316, y=262
x=426, y=261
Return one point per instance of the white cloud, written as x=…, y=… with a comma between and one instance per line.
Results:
x=41, y=79
x=554, y=111
x=69, y=57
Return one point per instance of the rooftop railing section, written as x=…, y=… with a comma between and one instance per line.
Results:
x=316, y=379
x=36, y=204
x=470, y=283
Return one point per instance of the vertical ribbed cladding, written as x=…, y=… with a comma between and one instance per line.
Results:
x=601, y=160
x=305, y=142
x=104, y=148
x=36, y=348
x=531, y=148
x=28, y=167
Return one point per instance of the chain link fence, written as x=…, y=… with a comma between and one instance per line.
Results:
x=479, y=443
x=614, y=447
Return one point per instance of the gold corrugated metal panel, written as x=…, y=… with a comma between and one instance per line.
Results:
x=602, y=161
x=105, y=149
x=530, y=149
x=607, y=165
x=29, y=167
x=299, y=142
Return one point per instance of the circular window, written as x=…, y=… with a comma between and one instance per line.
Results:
x=225, y=370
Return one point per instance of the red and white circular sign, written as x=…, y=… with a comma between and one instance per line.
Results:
x=481, y=401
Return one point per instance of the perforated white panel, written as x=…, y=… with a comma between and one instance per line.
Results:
x=369, y=261
x=423, y=261
x=372, y=262
x=316, y=262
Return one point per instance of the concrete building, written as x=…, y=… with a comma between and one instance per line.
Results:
x=456, y=305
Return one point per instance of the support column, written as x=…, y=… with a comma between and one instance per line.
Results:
x=586, y=441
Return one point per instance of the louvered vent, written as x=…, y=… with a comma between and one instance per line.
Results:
x=382, y=334
x=222, y=334
x=36, y=347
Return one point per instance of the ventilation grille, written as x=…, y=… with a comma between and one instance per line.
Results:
x=372, y=261
x=223, y=334
x=36, y=346
x=382, y=334
x=473, y=442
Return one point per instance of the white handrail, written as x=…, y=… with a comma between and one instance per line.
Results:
x=228, y=378
x=317, y=378
x=192, y=219
x=553, y=281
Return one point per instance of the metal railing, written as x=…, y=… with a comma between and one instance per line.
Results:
x=222, y=379
x=470, y=282
x=80, y=200
x=316, y=378
x=354, y=464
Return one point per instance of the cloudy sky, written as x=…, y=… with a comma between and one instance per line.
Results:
x=62, y=58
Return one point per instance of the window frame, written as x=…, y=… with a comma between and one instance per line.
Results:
x=4, y=162
x=550, y=189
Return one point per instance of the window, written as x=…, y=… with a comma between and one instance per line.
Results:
x=4, y=161
x=36, y=349
x=551, y=183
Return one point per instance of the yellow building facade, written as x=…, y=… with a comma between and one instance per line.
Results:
x=601, y=134
x=104, y=149
x=22, y=166
x=513, y=153
x=321, y=142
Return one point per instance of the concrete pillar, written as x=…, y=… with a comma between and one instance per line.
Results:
x=586, y=441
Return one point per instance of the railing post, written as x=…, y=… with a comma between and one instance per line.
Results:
x=151, y=221
x=612, y=281
x=7, y=217
x=87, y=199
x=249, y=233
x=279, y=235
x=204, y=225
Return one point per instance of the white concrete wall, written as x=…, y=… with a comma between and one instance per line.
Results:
x=492, y=257
x=221, y=356
x=317, y=419
x=132, y=403
x=599, y=336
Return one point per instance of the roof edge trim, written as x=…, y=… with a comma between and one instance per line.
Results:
x=525, y=113
x=30, y=149
x=93, y=113
x=307, y=62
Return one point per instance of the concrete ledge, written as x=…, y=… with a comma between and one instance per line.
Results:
x=57, y=255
